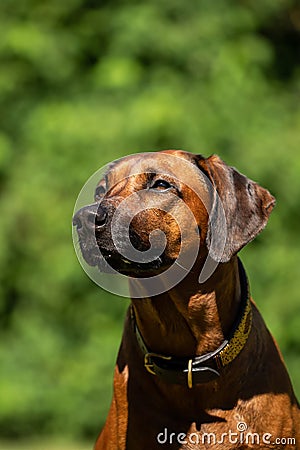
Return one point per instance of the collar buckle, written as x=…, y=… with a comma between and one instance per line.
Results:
x=148, y=363
x=208, y=367
x=190, y=374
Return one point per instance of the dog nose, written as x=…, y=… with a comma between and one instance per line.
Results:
x=90, y=216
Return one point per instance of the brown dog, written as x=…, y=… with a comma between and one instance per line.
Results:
x=197, y=367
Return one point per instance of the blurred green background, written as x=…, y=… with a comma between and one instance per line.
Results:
x=86, y=82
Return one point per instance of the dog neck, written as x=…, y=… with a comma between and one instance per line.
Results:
x=190, y=319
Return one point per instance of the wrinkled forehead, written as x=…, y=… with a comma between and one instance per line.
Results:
x=180, y=167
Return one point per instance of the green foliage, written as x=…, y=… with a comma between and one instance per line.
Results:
x=46, y=444
x=83, y=83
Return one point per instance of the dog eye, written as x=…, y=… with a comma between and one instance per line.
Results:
x=161, y=184
x=100, y=191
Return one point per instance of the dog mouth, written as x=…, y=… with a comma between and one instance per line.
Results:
x=107, y=259
x=132, y=250
x=133, y=268
x=110, y=262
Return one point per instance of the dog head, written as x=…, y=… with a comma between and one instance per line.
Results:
x=150, y=208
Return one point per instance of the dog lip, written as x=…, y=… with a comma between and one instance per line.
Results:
x=75, y=222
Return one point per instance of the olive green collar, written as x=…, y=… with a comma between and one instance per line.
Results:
x=204, y=368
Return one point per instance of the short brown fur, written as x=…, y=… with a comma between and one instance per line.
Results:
x=193, y=319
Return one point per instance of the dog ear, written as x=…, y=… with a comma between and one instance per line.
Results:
x=239, y=204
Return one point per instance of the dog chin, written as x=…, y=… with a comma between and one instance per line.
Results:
x=133, y=268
